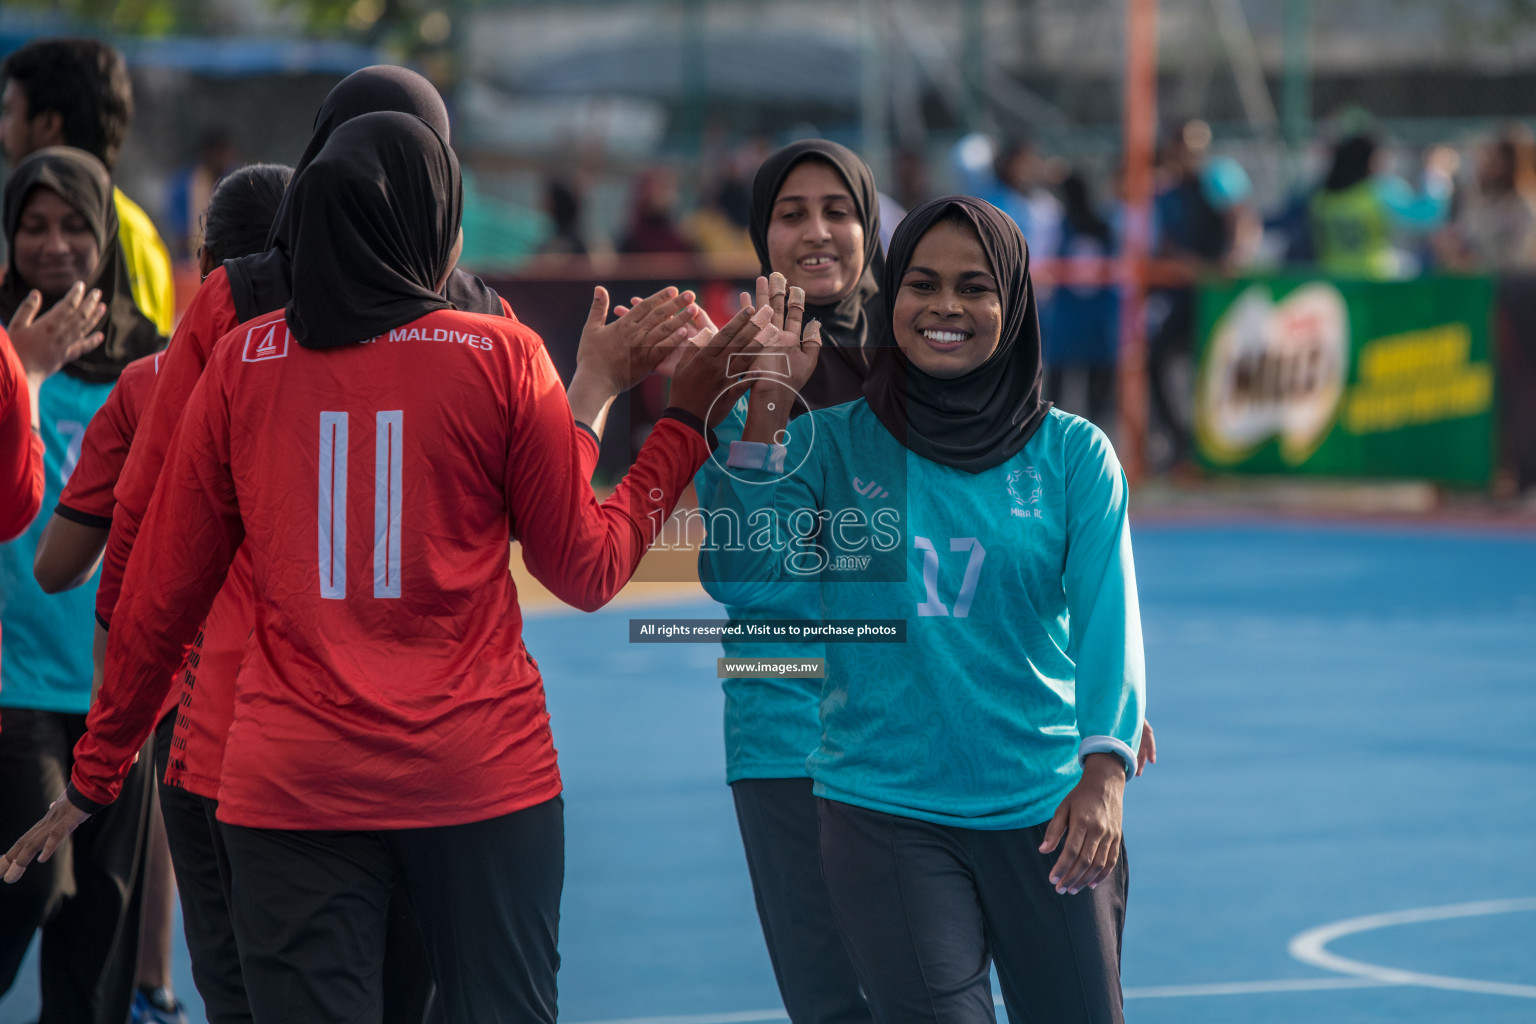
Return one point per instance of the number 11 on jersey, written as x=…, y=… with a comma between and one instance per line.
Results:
x=388, y=463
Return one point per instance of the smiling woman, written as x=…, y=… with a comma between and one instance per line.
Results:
x=948, y=315
x=61, y=227
x=815, y=237
x=55, y=246
x=971, y=781
x=815, y=219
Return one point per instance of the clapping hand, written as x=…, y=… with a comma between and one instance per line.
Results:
x=624, y=352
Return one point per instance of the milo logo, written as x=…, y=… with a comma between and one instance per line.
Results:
x=1273, y=369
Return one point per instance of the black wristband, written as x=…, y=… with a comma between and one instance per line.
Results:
x=74, y=796
x=693, y=423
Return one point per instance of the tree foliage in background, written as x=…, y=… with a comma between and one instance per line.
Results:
x=131, y=17
x=407, y=25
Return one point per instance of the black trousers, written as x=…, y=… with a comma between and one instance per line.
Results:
x=87, y=897
x=926, y=908
x=310, y=910
x=203, y=881
x=780, y=831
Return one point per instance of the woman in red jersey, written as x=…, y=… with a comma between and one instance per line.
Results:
x=389, y=723
x=238, y=220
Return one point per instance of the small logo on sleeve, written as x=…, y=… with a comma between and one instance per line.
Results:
x=1024, y=488
x=266, y=341
x=870, y=490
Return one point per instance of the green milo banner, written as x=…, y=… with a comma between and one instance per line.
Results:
x=1347, y=378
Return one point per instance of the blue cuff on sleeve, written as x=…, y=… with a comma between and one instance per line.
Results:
x=757, y=455
x=1109, y=745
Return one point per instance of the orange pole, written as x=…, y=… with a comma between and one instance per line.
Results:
x=1140, y=128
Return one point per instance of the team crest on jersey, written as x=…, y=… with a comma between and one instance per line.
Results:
x=1024, y=488
x=266, y=341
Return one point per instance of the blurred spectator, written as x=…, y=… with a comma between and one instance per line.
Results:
x=563, y=208
x=1080, y=330
x=910, y=190
x=1013, y=178
x=1360, y=208
x=719, y=225
x=76, y=92
x=912, y=187
x=1497, y=231
x=1203, y=221
x=651, y=225
x=190, y=189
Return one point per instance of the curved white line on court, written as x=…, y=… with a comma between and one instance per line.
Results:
x=1311, y=947
x=1251, y=988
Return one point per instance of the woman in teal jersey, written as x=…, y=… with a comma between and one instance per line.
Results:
x=971, y=778
x=815, y=222
x=61, y=230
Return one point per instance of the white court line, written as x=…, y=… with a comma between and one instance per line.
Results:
x=1223, y=988
x=1310, y=947
x=1247, y=988
x=742, y=1017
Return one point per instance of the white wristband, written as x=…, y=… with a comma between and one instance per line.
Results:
x=756, y=455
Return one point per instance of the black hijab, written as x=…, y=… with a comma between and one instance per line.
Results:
x=264, y=282
x=83, y=182
x=377, y=219
x=1351, y=163
x=854, y=322
x=985, y=417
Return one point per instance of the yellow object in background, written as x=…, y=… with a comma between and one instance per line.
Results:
x=149, y=264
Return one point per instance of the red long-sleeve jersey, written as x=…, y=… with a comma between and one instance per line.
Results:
x=87, y=497
x=21, y=451
x=210, y=316
x=205, y=693
x=377, y=486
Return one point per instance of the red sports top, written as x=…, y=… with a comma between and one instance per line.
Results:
x=206, y=694
x=21, y=450
x=87, y=497
x=385, y=684
x=210, y=316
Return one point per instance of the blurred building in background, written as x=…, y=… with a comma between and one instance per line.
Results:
x=594, y=132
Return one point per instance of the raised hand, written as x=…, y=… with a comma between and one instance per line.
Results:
x=624, y=352
x=787, y=337
x=60, y=336
x=786, y=345
x=708, y=382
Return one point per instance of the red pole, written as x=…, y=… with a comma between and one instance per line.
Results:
x=1140, y=128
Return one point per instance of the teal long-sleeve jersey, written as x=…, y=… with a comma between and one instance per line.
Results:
x=771, y=724
x=1023, y=647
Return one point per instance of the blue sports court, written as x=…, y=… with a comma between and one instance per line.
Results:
x=1342, y=827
